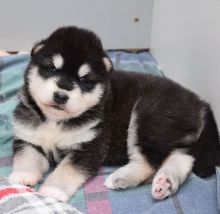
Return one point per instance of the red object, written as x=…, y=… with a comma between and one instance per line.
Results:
x=12, y=190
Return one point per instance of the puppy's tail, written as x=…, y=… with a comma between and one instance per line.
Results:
x=207, y=149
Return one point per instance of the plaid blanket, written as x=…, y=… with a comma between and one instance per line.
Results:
x=20, y=199
x=197, y=196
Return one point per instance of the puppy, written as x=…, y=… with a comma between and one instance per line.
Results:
x=76, y=114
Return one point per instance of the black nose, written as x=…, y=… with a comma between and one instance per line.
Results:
x=60, y=97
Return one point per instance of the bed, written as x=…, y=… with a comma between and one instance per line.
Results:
x=197, y=195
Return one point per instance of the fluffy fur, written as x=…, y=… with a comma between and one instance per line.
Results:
x=76, y=114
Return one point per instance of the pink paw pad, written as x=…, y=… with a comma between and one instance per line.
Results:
x=161, y=188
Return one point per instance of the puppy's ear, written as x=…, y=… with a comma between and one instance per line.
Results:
x=37, y=47
x=108, y=63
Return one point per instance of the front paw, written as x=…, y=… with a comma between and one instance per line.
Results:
x=54, y=192
x=24, y=178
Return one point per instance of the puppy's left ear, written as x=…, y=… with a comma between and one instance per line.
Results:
x=37, y=47
x=108, y=64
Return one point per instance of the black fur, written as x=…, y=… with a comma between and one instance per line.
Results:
x=207, y=148
x=166, y=112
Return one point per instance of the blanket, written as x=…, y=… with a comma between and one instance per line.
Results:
x=20, y=199
x=196, y=196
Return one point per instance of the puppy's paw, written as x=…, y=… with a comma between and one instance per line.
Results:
x=163, y=186
x=115, y=183
x=54, y=192
x=24, y=178
x=119, y=181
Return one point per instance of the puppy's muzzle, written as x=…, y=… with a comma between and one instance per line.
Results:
x=60, y=97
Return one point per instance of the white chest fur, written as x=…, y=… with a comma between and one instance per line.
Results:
x=50, y=135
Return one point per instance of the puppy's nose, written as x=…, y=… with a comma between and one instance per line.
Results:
x=60, y=97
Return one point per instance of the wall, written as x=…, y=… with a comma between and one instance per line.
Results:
x=24, y=22
x=185, y=40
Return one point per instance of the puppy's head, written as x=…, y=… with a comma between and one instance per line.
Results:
x=68, y=73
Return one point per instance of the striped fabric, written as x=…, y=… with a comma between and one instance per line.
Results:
x=197, y=196
x=21, y=199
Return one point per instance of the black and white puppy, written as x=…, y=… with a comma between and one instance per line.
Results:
x=77, y=115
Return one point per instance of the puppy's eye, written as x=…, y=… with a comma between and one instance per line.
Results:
x=83, y=80
x=51, y=69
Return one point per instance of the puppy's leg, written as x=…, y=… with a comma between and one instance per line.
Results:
x=137, y=170
x=130, y=175
x=75, y=169
x=172, y=174
x=28, y=164
x=63, y=181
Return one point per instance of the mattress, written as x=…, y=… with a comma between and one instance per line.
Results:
x=197, y=195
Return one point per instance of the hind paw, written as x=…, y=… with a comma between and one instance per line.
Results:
x=117, y=182
x=163, y=186
x=121, y=179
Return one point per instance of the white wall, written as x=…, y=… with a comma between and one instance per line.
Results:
x=23, y=22
x=185, y=40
